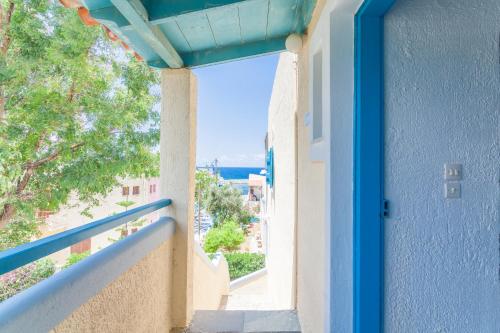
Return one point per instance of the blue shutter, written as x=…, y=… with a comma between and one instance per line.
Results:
x=270, y=167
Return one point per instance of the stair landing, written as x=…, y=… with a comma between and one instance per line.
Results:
x=226, y=321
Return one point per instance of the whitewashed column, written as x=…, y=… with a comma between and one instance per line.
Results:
x=177, y=174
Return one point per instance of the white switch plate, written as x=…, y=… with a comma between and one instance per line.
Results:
x=452, y=171
x=452, y=190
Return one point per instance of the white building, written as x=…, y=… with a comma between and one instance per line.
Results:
x=130, y=194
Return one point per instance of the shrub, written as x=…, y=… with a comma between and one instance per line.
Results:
x=19, y=231
x=227, y=237
x=24, y=277
x=241, y=264
x=75, y=257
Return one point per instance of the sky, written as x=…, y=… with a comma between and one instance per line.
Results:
x=233, y=99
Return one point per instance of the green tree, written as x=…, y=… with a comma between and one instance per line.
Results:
x=204, y=182
x=227, y=237
x=126, y=204
x=224, y=203
x=75, y=110
x=18, y=232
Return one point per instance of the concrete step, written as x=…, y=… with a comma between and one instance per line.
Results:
x=226, y=321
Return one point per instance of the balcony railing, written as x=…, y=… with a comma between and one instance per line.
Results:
x=27, y=253
x=44, y=305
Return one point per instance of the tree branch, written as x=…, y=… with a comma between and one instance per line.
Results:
x=51, y=157
x=6, y=28
x=71, y=92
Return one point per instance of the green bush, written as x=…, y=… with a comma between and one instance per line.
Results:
x=24, y=277
x=241, y=264
x=19, y=231
x=75, y=257
x=227, y=237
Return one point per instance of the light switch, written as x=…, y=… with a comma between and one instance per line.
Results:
x=452, y=171
x=452, y=190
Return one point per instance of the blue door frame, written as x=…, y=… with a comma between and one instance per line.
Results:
x=369, y=166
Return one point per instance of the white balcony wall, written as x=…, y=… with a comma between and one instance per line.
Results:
x=126, y=287
x=137, y=301
x=210, y=280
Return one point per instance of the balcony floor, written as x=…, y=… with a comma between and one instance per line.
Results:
x=278, y=321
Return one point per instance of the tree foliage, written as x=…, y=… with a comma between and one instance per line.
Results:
x=224, y=203
x=227, y=237
x=20, y=231
x=75, y=110
x=204, y=182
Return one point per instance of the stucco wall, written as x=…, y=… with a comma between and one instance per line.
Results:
x=281, y=205
x=210, y=281
x=177, y=171
x=138, y=301
x=324, y=231
x=311, y=222
x=442, y=105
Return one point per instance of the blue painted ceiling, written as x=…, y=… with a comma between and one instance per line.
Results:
x=203, y=32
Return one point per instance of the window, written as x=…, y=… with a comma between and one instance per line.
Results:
x=135, y=190
x=317, y=96
x=152, y=188
x=125, y=190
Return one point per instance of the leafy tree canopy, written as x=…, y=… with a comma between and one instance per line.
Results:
x=224, y=203
x=204, y=182
x=227, y=237
x=75, y=110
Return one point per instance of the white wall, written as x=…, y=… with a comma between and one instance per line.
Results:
x=442, y=105
x=334, y=34
x=340, y=22
x=324, y=285
x=210, y=280
x=281, y=206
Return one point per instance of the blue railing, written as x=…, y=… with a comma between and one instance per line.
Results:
x=27, y=253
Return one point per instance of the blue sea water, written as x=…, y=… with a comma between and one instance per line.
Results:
x=229, y=173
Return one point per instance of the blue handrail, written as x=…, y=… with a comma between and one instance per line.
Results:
x=29, y=252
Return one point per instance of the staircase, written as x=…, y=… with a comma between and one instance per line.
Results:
x=226, y=321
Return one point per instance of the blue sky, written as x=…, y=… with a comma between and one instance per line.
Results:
x=232, y=111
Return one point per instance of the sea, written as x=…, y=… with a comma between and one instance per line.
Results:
x=238, y=173
x=232, y=173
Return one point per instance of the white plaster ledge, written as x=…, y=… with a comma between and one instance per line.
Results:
x=212, y=263
x=244, y=280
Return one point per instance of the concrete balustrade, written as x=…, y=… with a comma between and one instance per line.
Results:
x=124, y=287
x=210, y=280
